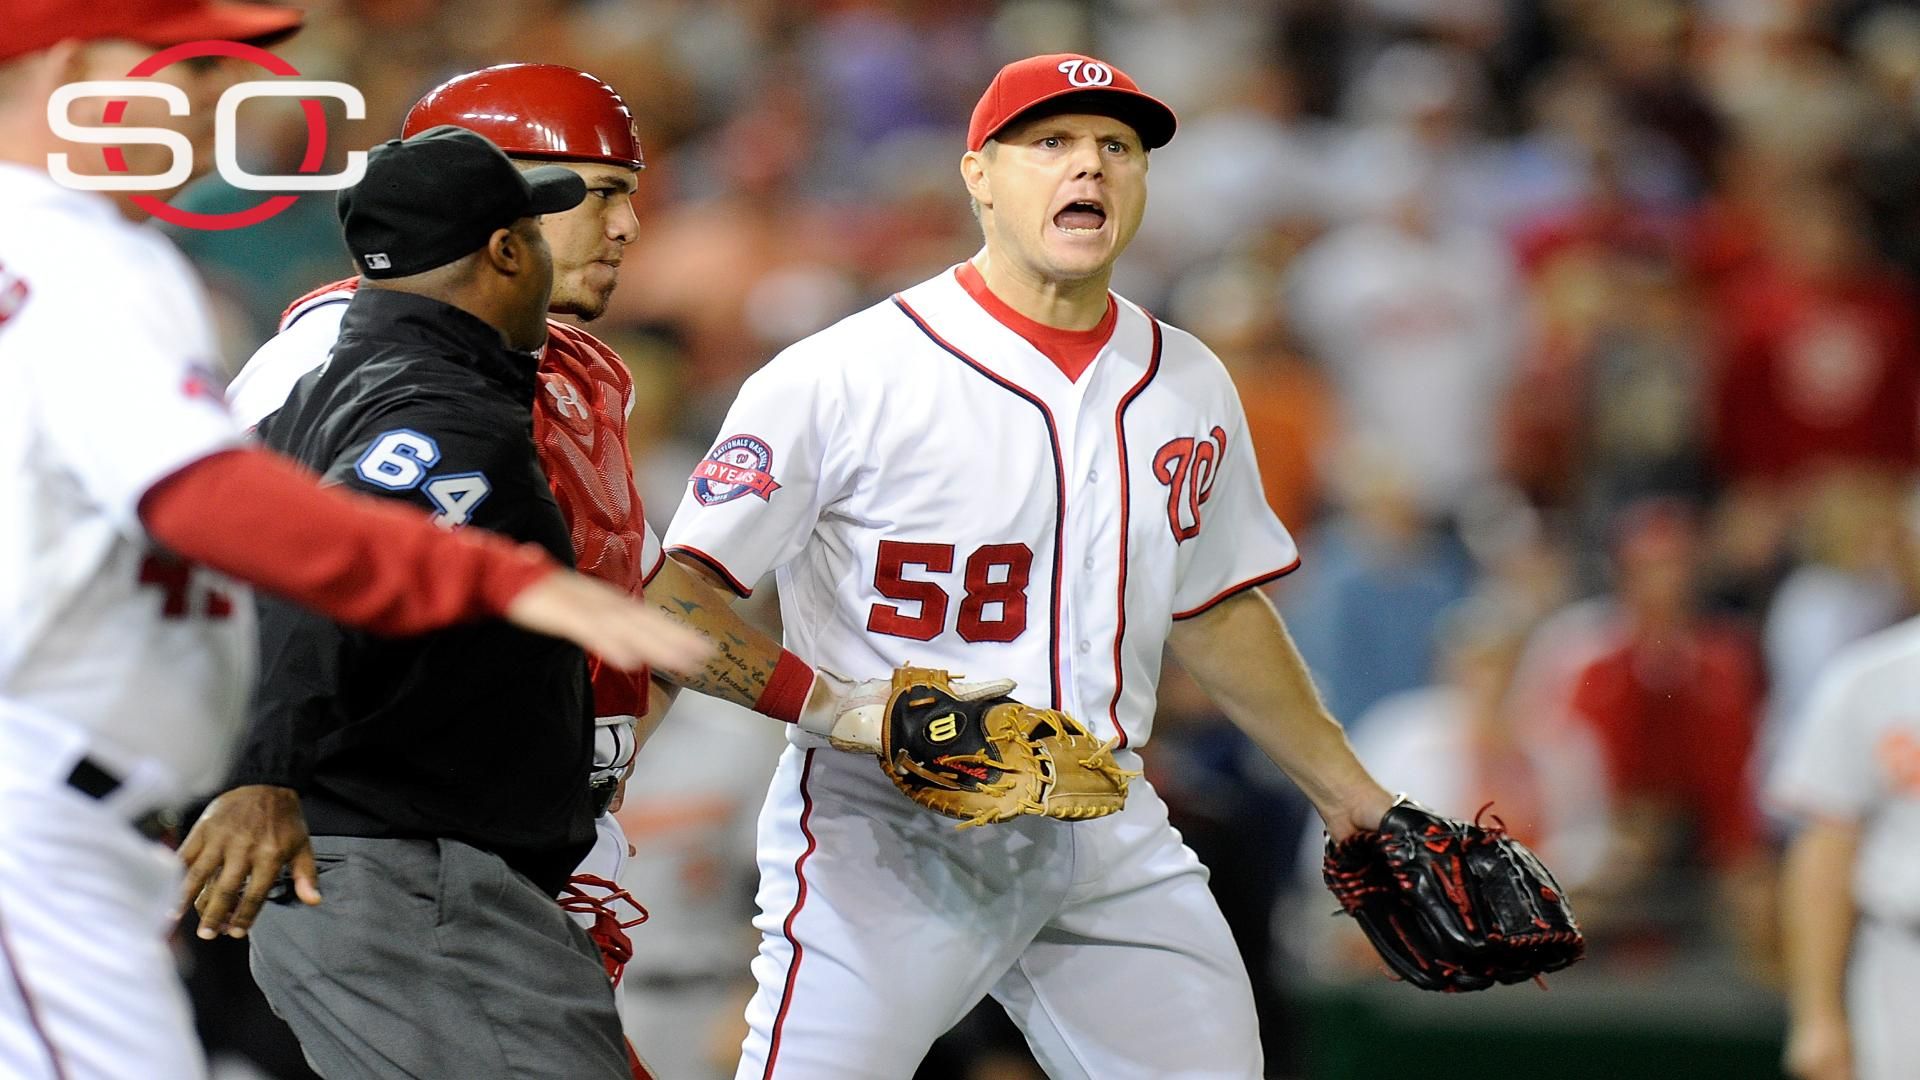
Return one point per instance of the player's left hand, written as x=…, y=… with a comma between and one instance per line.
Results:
x=1360, y=810
x=236, y=852
x=1819, y=1048
x=1450, y=905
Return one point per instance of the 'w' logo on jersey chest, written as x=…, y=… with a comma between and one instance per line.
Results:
x=1187, y=466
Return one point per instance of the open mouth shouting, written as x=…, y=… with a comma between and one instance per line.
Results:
x=1081, y=217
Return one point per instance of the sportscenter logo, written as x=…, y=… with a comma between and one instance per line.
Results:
x=226, y=143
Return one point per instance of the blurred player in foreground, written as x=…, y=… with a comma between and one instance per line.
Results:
x=1850, y=898
x=134, y=521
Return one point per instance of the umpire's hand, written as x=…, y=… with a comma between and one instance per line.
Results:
x=236, y=852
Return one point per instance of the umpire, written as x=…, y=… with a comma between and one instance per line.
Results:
x=444, y=777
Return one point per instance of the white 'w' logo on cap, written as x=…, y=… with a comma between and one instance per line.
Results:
x=1087, y=72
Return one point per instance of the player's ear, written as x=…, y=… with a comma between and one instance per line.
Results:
x=973, y=171
x=506, y=252
x=63, y=63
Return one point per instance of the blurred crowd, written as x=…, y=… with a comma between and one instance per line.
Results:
x=1577, y=340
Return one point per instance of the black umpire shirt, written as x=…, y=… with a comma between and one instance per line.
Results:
x=481, y=733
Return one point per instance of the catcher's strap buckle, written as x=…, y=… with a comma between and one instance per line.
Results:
x=601, y=791
x=609, y=931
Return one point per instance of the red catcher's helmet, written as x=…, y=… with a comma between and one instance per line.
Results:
x=535, y=111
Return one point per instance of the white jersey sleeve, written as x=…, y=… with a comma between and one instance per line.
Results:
x=1231, y=539
x=1827, y=767
x=752, y=502
x=1855, y=757
x=652, y=555
x=143, y=399
x=301, y=346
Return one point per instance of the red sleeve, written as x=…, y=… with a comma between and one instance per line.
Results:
x=787, y=689
x=262, y=519
x=617, y=692
x=1730, y=702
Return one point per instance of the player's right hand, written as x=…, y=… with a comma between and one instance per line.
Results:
x=1819, y=1048
x=236, y=852
x=607, y=623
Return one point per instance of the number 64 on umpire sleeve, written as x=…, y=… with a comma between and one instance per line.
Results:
x=399, y=460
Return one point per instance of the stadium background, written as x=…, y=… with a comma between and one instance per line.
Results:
x=1579, y=349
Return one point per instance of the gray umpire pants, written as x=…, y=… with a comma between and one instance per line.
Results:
x=432, y=960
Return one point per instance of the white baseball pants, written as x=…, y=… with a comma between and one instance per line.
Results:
x=881, y=925
x=1883, y=997
x=88, y=988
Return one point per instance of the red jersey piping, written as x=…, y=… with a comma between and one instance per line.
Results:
x=1120, y=437
x=33, y=1011
x=786, y=928
x=712, y=564
x=1234, y=590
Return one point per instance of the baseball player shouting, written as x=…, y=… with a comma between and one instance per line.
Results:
x=1009, y=471
x=132, y=519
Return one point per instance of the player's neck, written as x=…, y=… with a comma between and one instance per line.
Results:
x=1064, y=305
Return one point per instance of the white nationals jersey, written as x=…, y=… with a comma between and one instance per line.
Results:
x=305, y=339
x=107, y=644
x=930, y=488
x=1855, y=756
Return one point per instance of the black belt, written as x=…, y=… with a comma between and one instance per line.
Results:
x=89, y=778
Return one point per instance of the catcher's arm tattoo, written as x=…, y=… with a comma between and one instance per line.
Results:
x=1242, y=656
x=744, y=658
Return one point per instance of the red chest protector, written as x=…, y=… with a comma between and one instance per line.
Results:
x=580, y=431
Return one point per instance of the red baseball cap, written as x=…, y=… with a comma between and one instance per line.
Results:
x=32, y=25
x=1068, y=82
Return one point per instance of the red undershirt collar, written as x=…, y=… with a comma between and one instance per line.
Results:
x=1070, y=350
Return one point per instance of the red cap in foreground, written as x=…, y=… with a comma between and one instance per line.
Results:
x=29, y=26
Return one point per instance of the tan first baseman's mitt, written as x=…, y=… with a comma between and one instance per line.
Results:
x=982, y=757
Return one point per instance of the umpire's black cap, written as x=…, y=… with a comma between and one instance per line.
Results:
x=429, y=200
